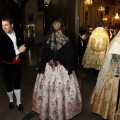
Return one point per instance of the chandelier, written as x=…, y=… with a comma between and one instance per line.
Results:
x=46, y=2
x=116, y=16
x=88, y=2
x=101, y=8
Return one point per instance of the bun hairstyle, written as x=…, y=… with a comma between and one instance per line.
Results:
x=58, y=24
x=100, y=23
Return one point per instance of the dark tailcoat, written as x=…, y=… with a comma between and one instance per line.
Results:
x=7, y=51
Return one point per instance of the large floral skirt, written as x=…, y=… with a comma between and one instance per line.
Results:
x=56, y=94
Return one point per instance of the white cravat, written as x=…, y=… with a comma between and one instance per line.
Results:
x=81, y=40
x=13, y=38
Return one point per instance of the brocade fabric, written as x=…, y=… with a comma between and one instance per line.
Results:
x=105, y=98
x=96, y=49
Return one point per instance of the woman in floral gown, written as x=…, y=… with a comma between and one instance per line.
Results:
x=105, y=98
x=56, y=94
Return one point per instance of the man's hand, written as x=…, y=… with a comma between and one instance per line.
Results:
x=22, y=48
x=84, y=37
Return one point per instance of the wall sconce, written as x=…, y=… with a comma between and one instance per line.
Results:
x=88, y=2
x=105, y=19
x=101, y=8
x=116, y=16
x=46, y=2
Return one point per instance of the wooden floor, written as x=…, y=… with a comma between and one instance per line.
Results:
x=86, y=80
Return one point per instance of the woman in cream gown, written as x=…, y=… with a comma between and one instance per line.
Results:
x=96, y=48
x=105, y=97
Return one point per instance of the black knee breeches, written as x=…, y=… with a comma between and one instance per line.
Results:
x=12, y=76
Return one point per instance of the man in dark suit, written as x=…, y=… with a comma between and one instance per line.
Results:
x=81, y=46
x=11, y=48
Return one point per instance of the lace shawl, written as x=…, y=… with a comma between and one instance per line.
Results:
x=57, y=48
x=57, y=40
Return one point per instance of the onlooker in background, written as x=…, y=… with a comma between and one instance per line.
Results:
x=89, y=31
x=11, y=47
x=83, y=40
x=116, y=30
x=106, y=28
x=96, y=48
x=82, y=46
x=111, y=33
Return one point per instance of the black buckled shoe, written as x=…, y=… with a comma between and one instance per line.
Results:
x=20, y=107
x=11, y=105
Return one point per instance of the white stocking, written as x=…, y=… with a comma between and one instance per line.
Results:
x=10, y=95
x=18, y=96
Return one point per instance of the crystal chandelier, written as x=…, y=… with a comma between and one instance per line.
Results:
x=116, y=16
x=88, y=2
x=101, y=8
x=46, y=2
